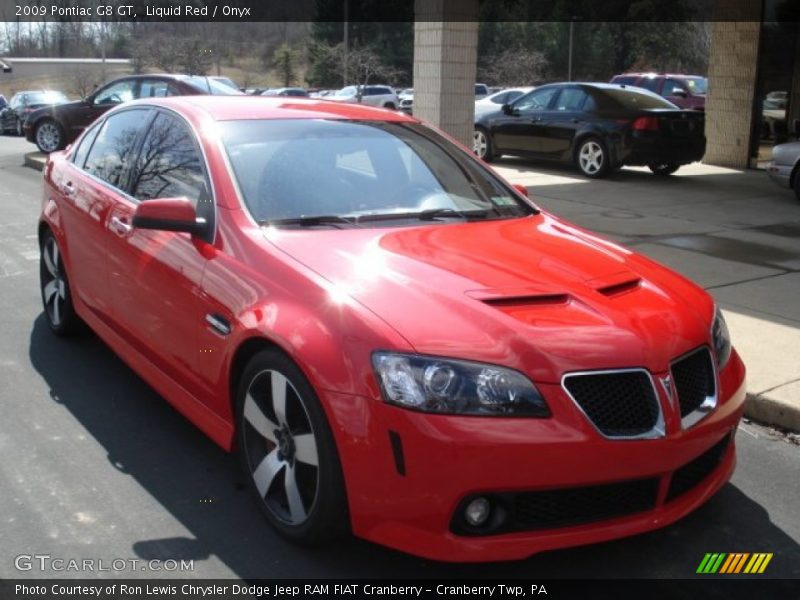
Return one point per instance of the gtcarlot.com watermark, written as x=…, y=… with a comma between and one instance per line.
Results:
x=58, y=564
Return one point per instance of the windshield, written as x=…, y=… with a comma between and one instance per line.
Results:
x=46, y=98
x=213, y=87
x=360, y=170
x=347, y=91
x=698, y=85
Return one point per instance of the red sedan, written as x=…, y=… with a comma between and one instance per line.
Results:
x=396, y=341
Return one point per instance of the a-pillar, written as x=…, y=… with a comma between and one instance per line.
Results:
x=445, y=64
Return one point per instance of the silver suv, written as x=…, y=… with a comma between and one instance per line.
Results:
x=381, y=96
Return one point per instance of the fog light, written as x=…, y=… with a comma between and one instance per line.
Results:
x=477, y=511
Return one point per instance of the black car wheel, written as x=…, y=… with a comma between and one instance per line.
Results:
x=287, y=451
x=56, y=296
x=389, y=105
x=663, y=168
x=592, y=158
x=482, y=144
x=49, y=136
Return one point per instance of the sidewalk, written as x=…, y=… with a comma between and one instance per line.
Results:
x=733, y=232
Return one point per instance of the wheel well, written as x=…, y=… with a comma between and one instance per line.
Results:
x=247, y=350
x=40, y=231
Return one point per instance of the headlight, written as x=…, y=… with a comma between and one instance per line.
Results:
x=441, y=385
x=721, y=339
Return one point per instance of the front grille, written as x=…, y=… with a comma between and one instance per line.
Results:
x=692, y=473
x=573, y=506
x=694, y=380
x=620, y=404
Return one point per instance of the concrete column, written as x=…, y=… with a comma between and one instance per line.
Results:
x=445, y=64
x=732, y=66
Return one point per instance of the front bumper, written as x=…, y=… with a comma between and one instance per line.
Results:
x=780, y=174
x=407, y=473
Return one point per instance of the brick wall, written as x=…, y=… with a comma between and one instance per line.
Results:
x=731, y=82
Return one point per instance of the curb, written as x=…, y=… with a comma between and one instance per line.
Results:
x=772, y=412
x=35, y=160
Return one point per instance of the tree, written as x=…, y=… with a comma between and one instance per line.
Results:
x=515, y=66
x=283, y=60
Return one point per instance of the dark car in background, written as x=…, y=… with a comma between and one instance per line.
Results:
x=686, y=91
x=53, y=127
x=13, y=116
x=598, y=126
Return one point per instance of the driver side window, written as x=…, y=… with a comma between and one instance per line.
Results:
x=536, y=100
x=116, y=93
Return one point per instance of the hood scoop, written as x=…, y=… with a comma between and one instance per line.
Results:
x=616, y=284
x=527, y=301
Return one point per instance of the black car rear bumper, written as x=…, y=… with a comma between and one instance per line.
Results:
x=660, y=150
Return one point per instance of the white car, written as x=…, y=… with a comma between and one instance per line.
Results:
x=496, y=100
x=381, y=96
x=406, y=98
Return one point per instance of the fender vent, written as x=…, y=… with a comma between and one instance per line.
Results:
x=620, y=288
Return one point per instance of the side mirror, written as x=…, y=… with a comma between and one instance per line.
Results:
x=521, y=189
x=507, y=109
x=169, y=214
x=679, y=93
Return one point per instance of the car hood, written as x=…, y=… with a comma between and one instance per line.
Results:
x=534, y=293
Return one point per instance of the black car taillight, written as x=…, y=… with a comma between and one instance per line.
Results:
x=645, y=124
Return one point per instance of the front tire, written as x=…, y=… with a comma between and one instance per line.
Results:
x=54, y=285
x=482, y=144
x=663, y=169
x=390, y=106
x=49, y=136
x=592, y=158
x=287, y=451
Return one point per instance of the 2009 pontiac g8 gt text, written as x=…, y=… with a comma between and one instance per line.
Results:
x=396, y=341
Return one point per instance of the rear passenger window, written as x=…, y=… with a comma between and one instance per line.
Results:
x=648, y=83
x=153, y=89
x=169, y=164
x=109, y=155
x=570, y=99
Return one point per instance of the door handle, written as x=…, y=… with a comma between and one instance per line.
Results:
x=121, y=225
x=68, y=189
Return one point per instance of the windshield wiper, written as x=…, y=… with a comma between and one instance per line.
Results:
x=312, y=221
x=432, y=213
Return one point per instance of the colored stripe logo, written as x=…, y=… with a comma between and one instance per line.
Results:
x=734, y=563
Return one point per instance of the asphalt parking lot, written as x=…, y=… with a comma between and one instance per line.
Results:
x=95, y=465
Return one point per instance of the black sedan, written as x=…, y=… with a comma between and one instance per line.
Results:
x=598, y=126
x=22, y=104
x=52, y=128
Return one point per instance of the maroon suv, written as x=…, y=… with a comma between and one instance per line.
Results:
x=687, y=91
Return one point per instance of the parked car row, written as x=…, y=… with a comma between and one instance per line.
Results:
x=50, y=121
x=14, y=113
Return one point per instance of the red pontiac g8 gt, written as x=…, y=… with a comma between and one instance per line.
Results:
x=396, y=341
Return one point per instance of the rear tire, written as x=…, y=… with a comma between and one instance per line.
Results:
x=663, y=169
x=482, y=144
x=592, y=158
x=287, y=451
x=55, y=290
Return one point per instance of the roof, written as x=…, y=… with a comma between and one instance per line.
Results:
x=229, y=108
x=651, y=74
